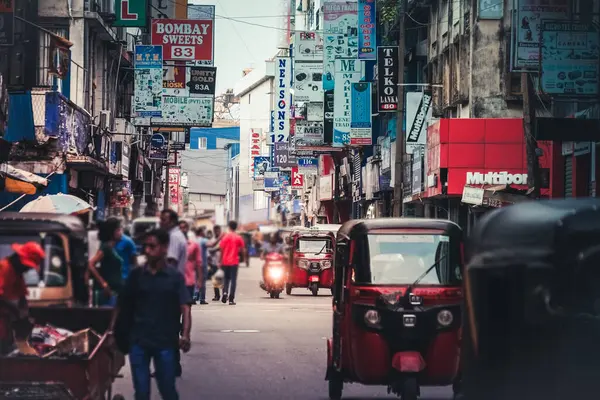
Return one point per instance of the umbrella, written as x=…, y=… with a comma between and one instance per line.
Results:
x=57, y=204
x=16, y=180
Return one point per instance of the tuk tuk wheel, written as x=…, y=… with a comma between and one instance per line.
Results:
x=272, y=295
x=410, y=389
x=314, y=288
x=277, y=295
x=288, y=289
x=336, y=386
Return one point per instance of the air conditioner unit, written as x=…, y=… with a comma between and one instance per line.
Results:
x=106, y=122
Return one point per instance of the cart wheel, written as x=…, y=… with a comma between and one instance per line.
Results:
x=288, y=289
x=410, y=389
x=118, y=397
x=314, y=288
x=336, y=386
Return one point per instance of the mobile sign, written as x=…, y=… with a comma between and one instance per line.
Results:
x=297, y=178
x=159, y=147
x=183, y=39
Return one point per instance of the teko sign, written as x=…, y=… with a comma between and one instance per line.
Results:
x=495, y=178
x=183, y=39
x=282, y=98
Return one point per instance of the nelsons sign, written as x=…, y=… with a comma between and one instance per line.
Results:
x=495, y=178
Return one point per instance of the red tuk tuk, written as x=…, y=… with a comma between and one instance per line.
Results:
x=311, y=260
x=396, y=305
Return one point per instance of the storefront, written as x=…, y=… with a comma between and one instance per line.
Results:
x=475, y=153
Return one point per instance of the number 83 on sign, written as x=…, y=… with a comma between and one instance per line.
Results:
x=183, y=52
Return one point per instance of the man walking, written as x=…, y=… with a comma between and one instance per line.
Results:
x=202, y=242
x=126, y=249
x=215, y=256
x=231, y=245
x=154, y=299
x=177, y=254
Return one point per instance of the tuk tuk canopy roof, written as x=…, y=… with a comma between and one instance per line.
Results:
x=543, y=231
x=36, y=222
x=359, y=227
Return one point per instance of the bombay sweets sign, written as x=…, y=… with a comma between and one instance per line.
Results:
x=495, y=178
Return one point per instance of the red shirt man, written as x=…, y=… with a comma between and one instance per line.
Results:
x=231, y=244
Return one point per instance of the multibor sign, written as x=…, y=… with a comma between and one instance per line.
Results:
x=182, y=39
x=282, y=98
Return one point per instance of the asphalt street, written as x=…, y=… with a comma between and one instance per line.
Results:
x=262, y=348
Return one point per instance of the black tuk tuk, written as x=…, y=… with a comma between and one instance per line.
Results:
x=532, y=314
x=64, y=238
x=397, y=299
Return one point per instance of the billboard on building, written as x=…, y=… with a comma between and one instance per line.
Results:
x=309, y=133
x=367, y=30
x=174, y=184
x=308, y=46
x=202, y=80
x=387, y=78
x=254, y=149
x=283, y=80
x=341, y=17
x=184, y=39
x=148, y=75
x=308, y=81
x=361, y=121
x=418, y=114
x=347, y=71
x=131, y=13
x=262, y=165
x=175, y=78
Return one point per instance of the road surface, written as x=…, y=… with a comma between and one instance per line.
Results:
x=263, y=349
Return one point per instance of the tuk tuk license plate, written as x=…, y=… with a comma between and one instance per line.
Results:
x=314, y=279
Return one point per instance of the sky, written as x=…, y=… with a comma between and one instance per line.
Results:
x=239, y=45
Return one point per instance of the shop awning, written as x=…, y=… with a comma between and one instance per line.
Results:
x=15, y=180
x=495, y=196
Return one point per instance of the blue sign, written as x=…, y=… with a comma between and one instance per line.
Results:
x=262, y=165
x=308, y=162
x=271, y=182
x=360, y=116
x=148, y=57
x=491, y=9
x=272, y=123
x=159, y=147
x=367, y=30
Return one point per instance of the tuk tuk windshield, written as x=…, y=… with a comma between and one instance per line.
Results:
x=314, y=245
x=402, y=258
x=53, y=271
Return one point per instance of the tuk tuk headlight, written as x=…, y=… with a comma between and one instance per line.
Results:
x=445, y=318
x=372, y=318
x=56, y=262
x=326, y=264
x=303, y=264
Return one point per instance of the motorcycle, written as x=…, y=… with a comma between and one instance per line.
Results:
x=274, y=274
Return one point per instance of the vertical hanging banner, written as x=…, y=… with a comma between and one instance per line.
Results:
x=7, y=22
x=347, y=71
x=174, y=185
x=131, y=13
x=418, y=114
x=281, y=132
x=184, y=39
x=387, y=78
x=254, y=149
x=148, y=81
x=361, y=125
x=328, y=116
x=308, y=46
x=367, y=30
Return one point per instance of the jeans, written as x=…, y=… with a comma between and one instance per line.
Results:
x=231, y=273
x=205, y=278
x=107, y=301
x=164, y=366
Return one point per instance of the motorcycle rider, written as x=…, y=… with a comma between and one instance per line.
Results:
x=274, y=245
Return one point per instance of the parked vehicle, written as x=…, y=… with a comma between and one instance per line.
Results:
x=396, y=305
x=532, y=317
x=311, y=260
x=275, y=272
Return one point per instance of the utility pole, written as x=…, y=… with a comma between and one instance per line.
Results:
x=533, y=166
x=166, y=201
x=400, y=140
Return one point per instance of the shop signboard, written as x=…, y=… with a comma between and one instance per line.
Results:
x=314, y=110
x=326, y=187
x=182, y=112
x=417, y=171
x=174, y=78
x=335, y=46
x=387, y=78
x=184, y=39
x=282, y=157
x=159, y=147
x=367, y=30
x=262, y=164
x=328, y=105
x=347, y=71
x=254, y=148
x=271, y=180
x=177, y=141
x=308, y=165
x=570, y=58
x=148, y=81
x=473, y=195
x=308, y=81
x=297, y=178
x=120, y=194
x=361, y=118
x=309, y=133
x=308, y=46
x=202, y=80
x=201, y=11
x=528, y=27
x=282, y=95
x=418, y=114
x=130, y=13
x=174, y=184
x=491, y=9
x=341, y=17
x=7, y=22
x=386, y=162
x=258, y=185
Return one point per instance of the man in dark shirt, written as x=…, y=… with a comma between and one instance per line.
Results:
x=156, y=298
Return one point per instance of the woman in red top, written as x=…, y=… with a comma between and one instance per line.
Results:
x=230, y=245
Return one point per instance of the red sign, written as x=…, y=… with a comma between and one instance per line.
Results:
x=297, y=178
x=174, y=183
x=184, y=39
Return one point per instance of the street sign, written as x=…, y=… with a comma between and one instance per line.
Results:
x=297, y=178
x=131, y=13
x=159, y=147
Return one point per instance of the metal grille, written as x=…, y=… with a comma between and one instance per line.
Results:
x=34, y=391
x=568, y=176
x=315, y=266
